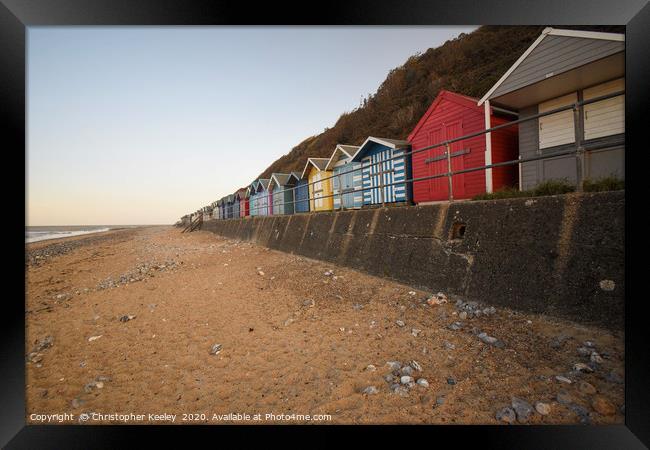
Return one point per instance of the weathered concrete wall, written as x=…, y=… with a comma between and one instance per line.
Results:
x=545, y=255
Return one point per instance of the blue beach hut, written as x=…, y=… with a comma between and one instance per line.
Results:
x=281, y=185
x=379, y=172
x=302, y=194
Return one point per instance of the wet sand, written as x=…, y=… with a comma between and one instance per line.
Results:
x=294, y=341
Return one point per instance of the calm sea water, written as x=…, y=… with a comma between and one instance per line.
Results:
x=34, y=234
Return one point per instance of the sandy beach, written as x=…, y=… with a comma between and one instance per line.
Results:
x=125, y=322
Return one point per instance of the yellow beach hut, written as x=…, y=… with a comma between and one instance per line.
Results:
x=320, y=190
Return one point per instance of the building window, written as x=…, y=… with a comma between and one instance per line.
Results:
x=606, y=117
x=559, y=128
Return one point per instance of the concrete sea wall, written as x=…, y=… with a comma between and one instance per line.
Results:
x=558, y=255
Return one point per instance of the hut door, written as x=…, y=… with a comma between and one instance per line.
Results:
x=437, y=164
x=347, y=186
x=455, y=130
x=383, y=171
x=318, y=191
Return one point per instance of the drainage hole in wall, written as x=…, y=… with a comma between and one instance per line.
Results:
x=458, y=230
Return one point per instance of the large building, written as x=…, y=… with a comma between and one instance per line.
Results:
x=563, y=67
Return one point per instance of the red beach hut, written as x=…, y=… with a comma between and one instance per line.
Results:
x=241, y=196
x=453, y=115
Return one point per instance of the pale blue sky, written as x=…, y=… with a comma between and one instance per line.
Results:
x=137, y=125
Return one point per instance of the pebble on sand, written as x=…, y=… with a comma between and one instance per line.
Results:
x=522, y=409
x=586, y=388
x=581, y=367
x=596, y=358
x=584, y=351
x=370, y=390
x=562, y=379
x=603, y=406
x=216, y=349
x=563, y=398
x=506, y=415
x=543, y=408
x=44, y=343
x=394, y=365
x=437, y=299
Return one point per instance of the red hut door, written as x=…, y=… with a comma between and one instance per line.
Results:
x=437, y=162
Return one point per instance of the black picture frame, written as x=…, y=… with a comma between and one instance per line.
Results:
x=17, y=15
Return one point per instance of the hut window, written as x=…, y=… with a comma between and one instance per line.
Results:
x=606, y=117
x=557, y=129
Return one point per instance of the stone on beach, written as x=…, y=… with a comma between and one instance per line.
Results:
x=394, y=365
x=437, y=299
x=44, y=343
x=506, y=415
x=586, y=388
x=603, y=406
x=581, y=367
x=543, y=408
x=370, y=390
x=563, y=397
x=522, y=409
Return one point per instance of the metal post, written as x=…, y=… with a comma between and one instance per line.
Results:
x=451, y=192
x=340, y=192
x=381, y=184
x=580, y=151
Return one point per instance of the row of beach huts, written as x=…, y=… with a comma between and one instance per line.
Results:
x=562, y=67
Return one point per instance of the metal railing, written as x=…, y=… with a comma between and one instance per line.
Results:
x=578, y=150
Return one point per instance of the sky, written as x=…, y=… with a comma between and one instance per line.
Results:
x=141, y=125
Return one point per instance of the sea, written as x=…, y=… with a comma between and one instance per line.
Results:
x=35, y=234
